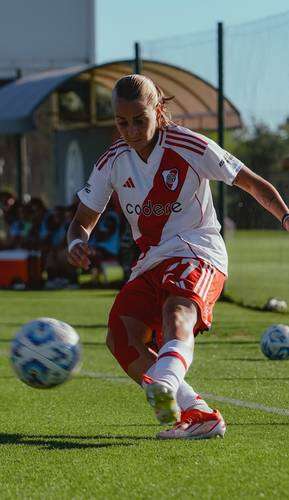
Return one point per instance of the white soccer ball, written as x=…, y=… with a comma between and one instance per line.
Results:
x=275, y=342
x=277, y=305
x=45, y=352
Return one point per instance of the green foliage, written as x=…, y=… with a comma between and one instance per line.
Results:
x=263, y=151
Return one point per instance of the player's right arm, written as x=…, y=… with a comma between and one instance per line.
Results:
x=78, y=234
x=93, y=197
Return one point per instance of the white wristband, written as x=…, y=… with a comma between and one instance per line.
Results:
x=73, y=243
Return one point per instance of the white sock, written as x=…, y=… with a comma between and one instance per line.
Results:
x=174, y=359
x=187, y=398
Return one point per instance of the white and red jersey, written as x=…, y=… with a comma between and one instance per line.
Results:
x=167, y=200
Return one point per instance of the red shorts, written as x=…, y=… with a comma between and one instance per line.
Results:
x=143, y=297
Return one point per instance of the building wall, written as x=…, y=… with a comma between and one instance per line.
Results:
x=54, y=158
x=77, y=149
x=8, y=163
x=37, y=35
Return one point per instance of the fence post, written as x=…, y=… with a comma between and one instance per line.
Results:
x=222, y=187
x=137, y=58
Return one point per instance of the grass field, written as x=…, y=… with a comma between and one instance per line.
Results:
x=94, y=437
x=258, y=266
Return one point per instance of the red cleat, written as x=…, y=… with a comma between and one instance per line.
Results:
x=196, y=424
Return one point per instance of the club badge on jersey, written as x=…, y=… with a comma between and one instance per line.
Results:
x=171, y=178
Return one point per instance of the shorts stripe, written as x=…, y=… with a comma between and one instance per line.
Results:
x=206, y=290
x=192, y=265
x=202, y=279
x=205, y=283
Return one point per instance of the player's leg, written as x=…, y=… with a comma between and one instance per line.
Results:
x=182, y=316
x=127, y=340
x=130, y=338
x=198, y=421
x=139, y=357
x=131, y=320
x=174, y=358
x=187, y=398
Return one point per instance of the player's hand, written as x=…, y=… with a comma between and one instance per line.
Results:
x=79, y=256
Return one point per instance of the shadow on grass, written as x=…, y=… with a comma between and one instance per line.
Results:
x=200, y=343
x=18, y=324
x=84, y=343
x=70, y=442
x=253, y=307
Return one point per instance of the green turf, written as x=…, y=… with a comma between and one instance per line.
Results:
x=258, y=266
x=94, y=436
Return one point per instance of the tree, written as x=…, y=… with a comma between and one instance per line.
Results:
x=263, y=151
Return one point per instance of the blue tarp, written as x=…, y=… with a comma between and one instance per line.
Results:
x=19, y=99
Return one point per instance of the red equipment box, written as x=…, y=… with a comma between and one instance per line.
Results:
x=20, y=266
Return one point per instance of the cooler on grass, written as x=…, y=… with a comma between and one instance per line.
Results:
x=20, y=267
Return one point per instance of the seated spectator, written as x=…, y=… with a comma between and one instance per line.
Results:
x=60, y=273
x=129, y=251
x=104, y=243
x=39, y=215
x=19, y=226
x=7, y=201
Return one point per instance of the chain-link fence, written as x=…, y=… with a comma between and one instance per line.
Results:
x=256, y=80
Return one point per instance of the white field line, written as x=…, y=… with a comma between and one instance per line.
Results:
x=247, y=404
x=207, y=395
x=106, y=376
x=222, y=399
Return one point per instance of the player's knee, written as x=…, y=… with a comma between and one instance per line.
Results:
x=179, y=318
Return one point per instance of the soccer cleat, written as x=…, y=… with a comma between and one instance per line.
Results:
x=162, y=400
x=196, y=424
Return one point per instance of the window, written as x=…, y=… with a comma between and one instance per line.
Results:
x=74, y=102
x=103, y=103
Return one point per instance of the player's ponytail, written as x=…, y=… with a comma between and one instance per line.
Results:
x=164, y=117
x=132, y=87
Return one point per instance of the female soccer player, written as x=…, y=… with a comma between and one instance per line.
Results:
x=161, y=173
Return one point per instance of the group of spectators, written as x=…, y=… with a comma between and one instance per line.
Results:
x=34, y=227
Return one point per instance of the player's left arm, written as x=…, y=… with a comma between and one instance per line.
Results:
x=264, y=192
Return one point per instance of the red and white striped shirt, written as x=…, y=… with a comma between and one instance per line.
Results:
x=167, y=200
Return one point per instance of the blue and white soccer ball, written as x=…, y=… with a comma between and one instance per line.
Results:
x=45, y=352
x=275, y=342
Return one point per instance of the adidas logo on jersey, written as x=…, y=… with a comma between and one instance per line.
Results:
x=128, y=183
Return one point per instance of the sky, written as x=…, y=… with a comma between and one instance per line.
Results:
x=256, y=80
x=121, y=23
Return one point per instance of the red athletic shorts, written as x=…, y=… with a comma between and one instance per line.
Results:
x=143, y=297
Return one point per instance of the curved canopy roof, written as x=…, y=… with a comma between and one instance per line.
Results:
x=194, y=105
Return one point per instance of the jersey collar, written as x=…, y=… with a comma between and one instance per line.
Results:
x=156, y=152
